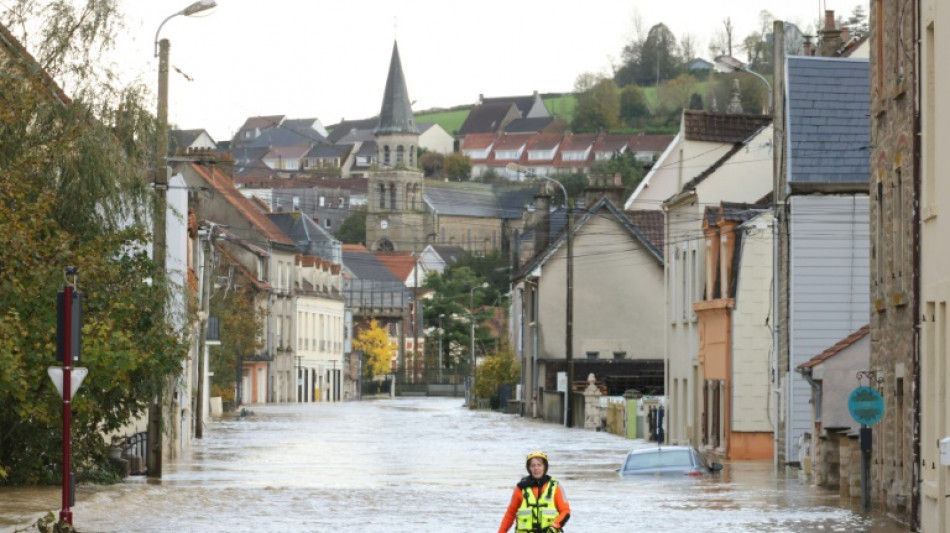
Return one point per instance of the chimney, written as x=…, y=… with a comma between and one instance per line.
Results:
x=808, y=47
x=542, y=220
x=830, y=36
x=829, y=19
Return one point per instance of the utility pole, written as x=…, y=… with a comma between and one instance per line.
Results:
x=569, y=321
x=203, y=346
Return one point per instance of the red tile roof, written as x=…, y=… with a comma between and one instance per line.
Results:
x=218, y=180
x=399, y=263
x=839, y=346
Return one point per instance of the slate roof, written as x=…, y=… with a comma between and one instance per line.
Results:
x=281, y=136
x=829, y=124
x=477, y=199
x=182, y=138
x=362, y=264
x=487, y=118
x=449, y=253
x=529, y=125
x=327, y=150
x=306, y=233
x=347, y=127
x=602, y=204
x=721, y=127
x=262, y=122
x=523, y=103
x=395, y=116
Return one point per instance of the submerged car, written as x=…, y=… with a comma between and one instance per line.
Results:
x=667, y=460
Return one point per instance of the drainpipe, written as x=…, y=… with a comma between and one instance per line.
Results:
x=915, y=295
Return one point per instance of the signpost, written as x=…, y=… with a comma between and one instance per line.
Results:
x=68, y=347
x=866, y=406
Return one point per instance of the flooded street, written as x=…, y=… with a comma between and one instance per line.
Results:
x=423, y=466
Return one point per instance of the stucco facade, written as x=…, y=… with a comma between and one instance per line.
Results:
x=743, y=173
x=733, y=357
x=609, y=258
x=934, y=76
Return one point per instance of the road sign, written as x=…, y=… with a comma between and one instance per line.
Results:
x=866, y=405
x=77, y=374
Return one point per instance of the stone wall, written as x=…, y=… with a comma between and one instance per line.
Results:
x=892, y=195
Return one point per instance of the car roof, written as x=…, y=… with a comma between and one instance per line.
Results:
x=652, y=449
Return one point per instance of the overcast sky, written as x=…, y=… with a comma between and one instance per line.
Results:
x=328, y=60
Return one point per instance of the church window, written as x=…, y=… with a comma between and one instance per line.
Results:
x=386, y=155
x=382, y=196
x=400, y=154
x=392, y=196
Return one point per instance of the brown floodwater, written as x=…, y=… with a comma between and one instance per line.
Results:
x=425, y=465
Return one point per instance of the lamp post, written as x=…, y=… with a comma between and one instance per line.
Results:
x=154, y=460
x=726, y=64
x=569, y=307
x=471, y=320
x=441, y=316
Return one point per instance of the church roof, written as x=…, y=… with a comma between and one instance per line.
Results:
x=484, y=200
x=395, y=116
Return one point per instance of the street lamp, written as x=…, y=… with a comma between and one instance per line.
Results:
x=161, y=172
x=471, y=320
x=569, y=307
x=154, y=460
x=725, y=64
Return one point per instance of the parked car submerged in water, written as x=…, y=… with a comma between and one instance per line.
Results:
x=667, y=460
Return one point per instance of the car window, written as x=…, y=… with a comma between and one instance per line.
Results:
x=701, y=460
x=657, y=460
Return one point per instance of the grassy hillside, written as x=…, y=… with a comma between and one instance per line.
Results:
x=558, y=104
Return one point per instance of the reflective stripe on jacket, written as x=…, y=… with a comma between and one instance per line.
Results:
x=537, y=512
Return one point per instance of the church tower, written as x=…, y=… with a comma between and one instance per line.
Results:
x=396, y=217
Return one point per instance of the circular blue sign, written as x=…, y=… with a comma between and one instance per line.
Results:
x=866, y=405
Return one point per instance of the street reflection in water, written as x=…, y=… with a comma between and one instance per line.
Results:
x=424, y=466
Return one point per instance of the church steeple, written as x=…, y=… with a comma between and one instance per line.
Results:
x=395, y=117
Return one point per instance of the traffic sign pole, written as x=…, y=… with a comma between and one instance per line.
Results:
x=866, y=406
x=66, y=515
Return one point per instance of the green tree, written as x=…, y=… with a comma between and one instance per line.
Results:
x=432, y=164
x=453, y=297
x=353, y=228
x=626, y=164
x=675, y=94
x=236, y=303
x=597, y=104
x=633, y=105
x=659, y=58
x=377, y=351
x=458, y=167
x=73, y=177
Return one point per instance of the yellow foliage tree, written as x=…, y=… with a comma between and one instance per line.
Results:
x=378, y=353
x=498, y=369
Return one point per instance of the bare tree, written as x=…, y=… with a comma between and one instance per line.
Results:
x=687, y=47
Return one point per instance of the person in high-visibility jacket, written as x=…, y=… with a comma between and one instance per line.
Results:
x=538, y=504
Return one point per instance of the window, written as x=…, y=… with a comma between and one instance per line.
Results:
x=392, y=196
x=400, y=154
x=898, y=229
x=386, y=155
x=382, y=196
